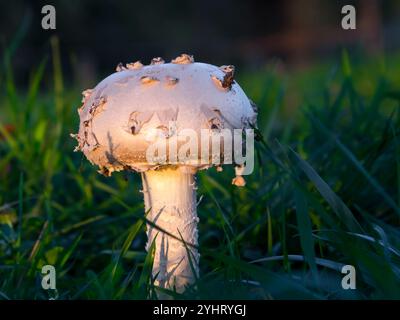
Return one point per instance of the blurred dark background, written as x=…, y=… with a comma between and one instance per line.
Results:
x=95, y=35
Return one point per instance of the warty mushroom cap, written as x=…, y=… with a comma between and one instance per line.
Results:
x=119, y=114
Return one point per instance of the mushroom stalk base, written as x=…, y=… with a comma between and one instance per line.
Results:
x=170, y=200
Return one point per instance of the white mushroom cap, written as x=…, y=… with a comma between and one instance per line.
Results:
x=119, y=114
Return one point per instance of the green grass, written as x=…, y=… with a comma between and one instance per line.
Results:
x=325, y=192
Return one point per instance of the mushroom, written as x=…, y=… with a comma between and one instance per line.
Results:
x=120, y=123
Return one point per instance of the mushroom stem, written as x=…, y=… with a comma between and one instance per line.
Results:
x=170, y=200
